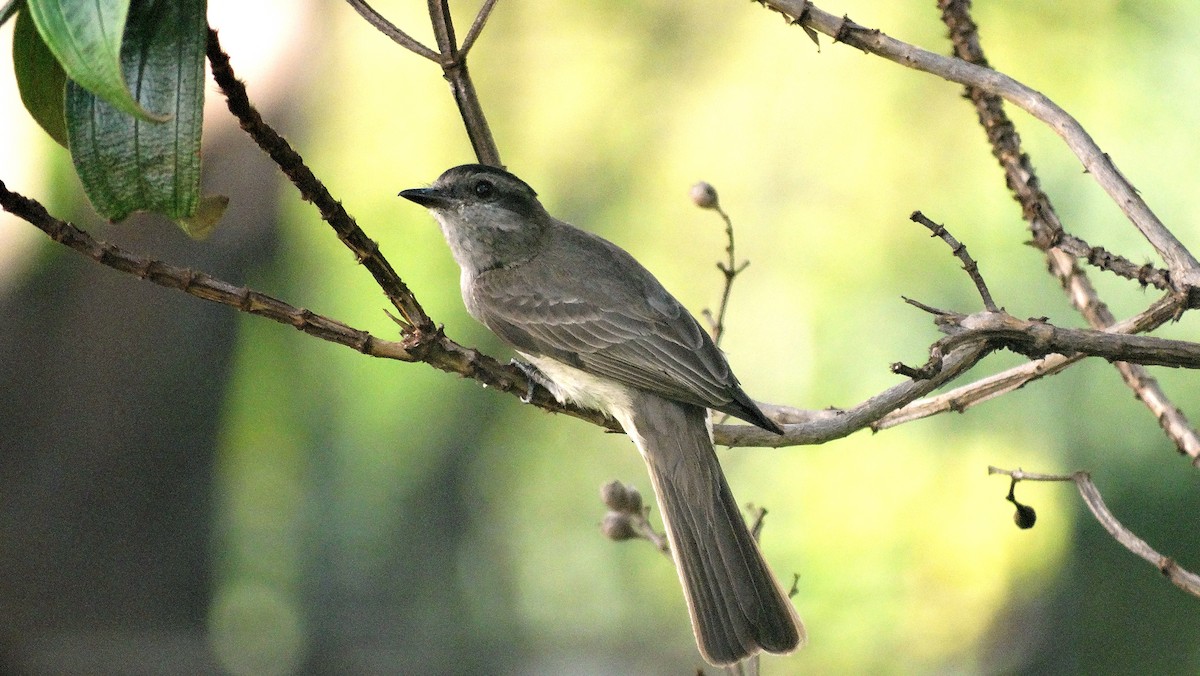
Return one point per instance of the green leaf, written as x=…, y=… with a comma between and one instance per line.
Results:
x=202, y=223
x=40, y=79
x=128, y=164
x=85, y=37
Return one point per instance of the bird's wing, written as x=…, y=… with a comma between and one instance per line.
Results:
x=617, y=321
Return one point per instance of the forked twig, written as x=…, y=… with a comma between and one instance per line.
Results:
x=476, y=28
x=960, y=251
x=705, y=197
x=1183, y=266
x=454, y=67
x=1063, y=249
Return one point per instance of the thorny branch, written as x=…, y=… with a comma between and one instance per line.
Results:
x=423, y=340
x=960, y=250
x=1183, y=266
x=426, y=343
x=1048, y=235
x=1180, y=577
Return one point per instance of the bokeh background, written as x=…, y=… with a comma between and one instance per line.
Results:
x=184, y=489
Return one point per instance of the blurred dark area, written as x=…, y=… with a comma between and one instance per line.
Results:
x=111, y=397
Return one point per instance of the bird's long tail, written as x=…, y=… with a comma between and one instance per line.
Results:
x=737, y=606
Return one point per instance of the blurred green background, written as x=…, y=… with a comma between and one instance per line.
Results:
x=186, y=490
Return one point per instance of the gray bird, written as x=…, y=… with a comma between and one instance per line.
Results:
x=602, y=332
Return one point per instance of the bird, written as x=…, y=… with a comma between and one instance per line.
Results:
x=597, y=329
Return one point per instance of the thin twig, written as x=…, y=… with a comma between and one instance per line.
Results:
x=454, y=67
x=199, y=284
x=1180, y=577
x=960, y=250
x=759, y=515
x=731, y=269
x=1038, y=337
x=973, y=394
x=392, y=31
x=476, y=28
x=1063, y=249
x=838, y=423
x=1183, y=266
x=704, y=195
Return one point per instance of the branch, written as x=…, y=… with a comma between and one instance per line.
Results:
x=705, y=197
x=454, y=67
x=968, y=396
x=434, y=349
x=1183, y=266
x=1180, y=577
x=199, y=284
x=960, y=251
x=902, y=403
x=312, y=190
x=1061, y=249
x=1037, y=338
x=822, y=426
x=392, y=31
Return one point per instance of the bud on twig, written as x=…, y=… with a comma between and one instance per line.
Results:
x=617, y=526
x=620, y=497
x=704, y=195
x=1025, y=516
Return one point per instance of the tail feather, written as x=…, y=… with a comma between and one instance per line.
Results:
x=737, y=607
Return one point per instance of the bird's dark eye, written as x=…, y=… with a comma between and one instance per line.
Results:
x=484, y=189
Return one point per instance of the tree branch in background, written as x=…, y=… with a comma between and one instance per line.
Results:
x=1180, y=577
x=1183, y=266
x=1060, y=248
x=454, y=68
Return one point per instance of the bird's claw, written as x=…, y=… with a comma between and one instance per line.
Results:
x=535, y=377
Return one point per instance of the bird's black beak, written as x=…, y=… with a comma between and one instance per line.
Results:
x=431, y=198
